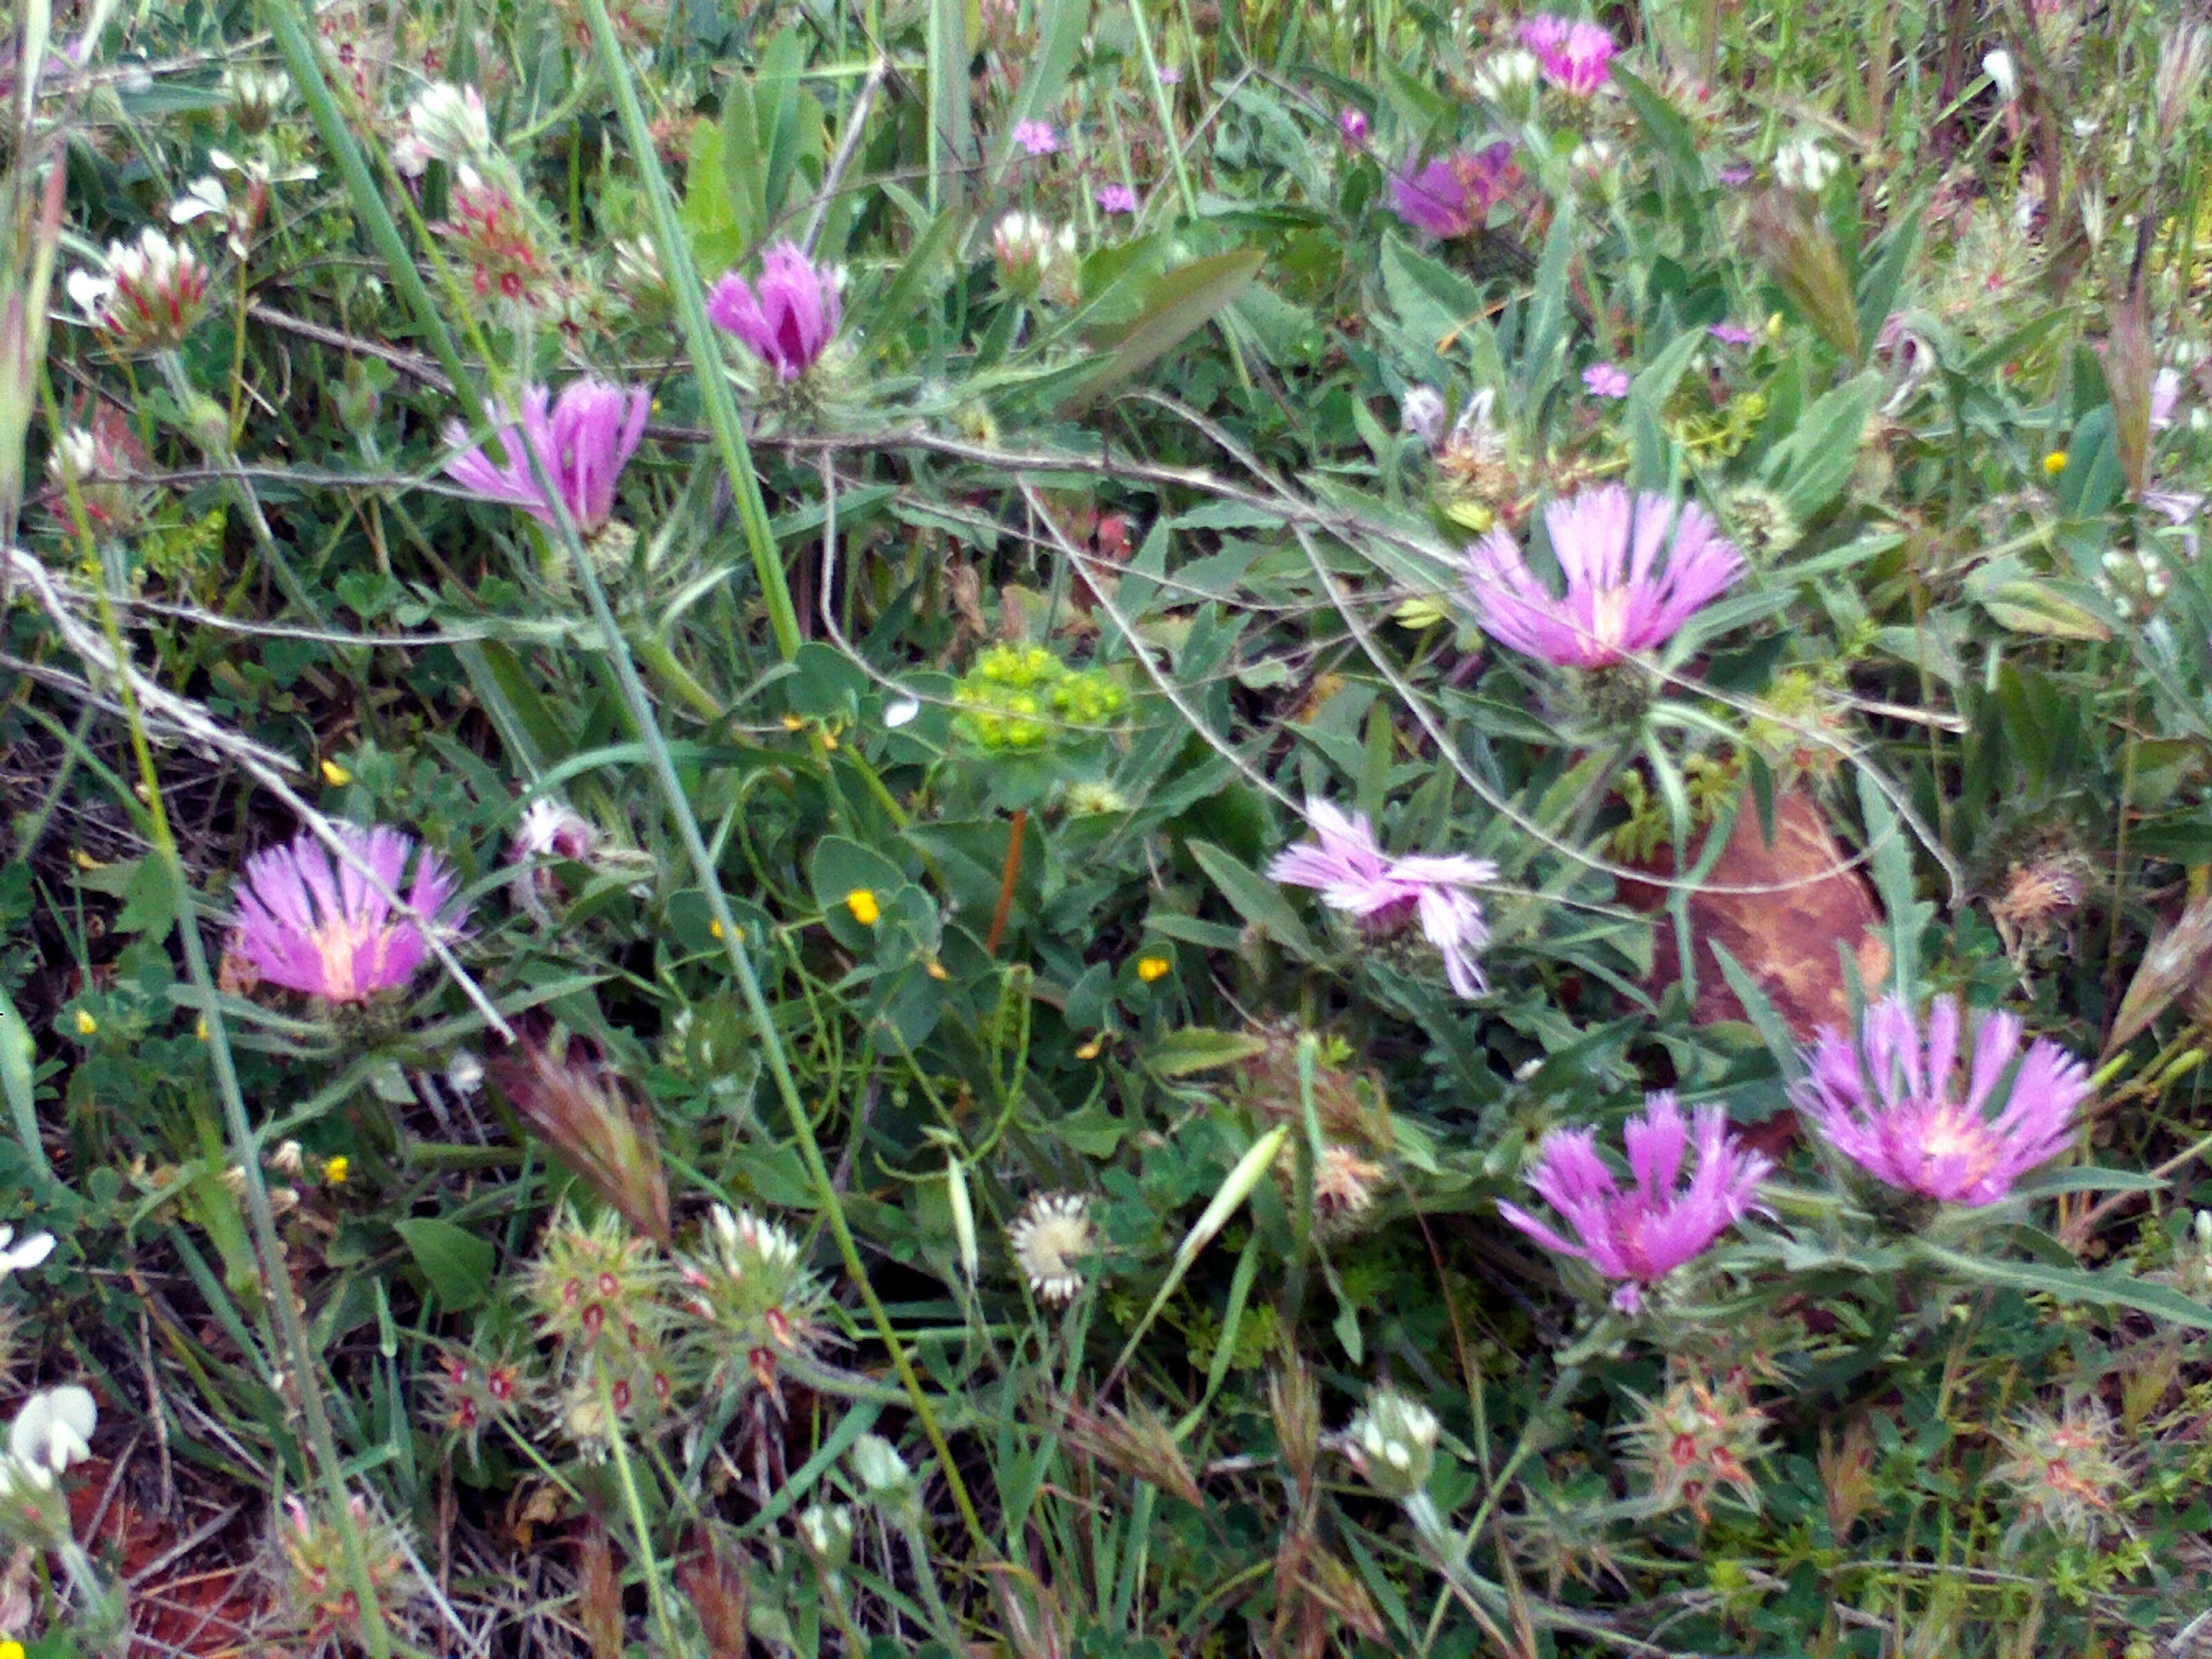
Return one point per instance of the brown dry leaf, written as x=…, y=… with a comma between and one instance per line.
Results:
x=1785, y=938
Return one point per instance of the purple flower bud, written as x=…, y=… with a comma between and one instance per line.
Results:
x=788, y=318
x=583, y=442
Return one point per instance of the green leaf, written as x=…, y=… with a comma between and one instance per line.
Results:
x=1176, y=306
x=1185, y=1053
x=1259, y=901
x=2040, y=606
x=2089, y=1179
x=1809, y=468
x=18, y=1076
x=457, y=1263
x=2109, y=1289
x=150, y=903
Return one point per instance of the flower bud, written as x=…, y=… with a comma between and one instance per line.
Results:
x=1393, y=1444
x=256, y=97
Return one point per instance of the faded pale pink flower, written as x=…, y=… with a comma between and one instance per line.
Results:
x=1733, y=334
x=1575, y=55
x=1382, y=894
x=788, y=318
x=1733, y=174
x=549, y=831
x=582, y=441
x=1618, y=599
x=311, y=924
x=1606, y=381
x=1116, y=199
x=1036, y=138
x=1454, y=194
x=2165, y=398
x=1896, y=1105
x=1640, y=1236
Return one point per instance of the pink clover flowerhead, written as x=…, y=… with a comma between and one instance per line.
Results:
x=1606, y=381
x=1892, y=1100
x=1454, y=194
x=1641, y=1235
x=1381, y=894
x=1116, y=199
x=1036, y=138
x=313, y=924
x=1620, y=598
x=788, y=317
x=583, y=440
x=1576, y=56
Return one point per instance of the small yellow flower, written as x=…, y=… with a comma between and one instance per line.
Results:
x=11, y=1650
x=935, y=969
x=336, y=1171
x=85, y=860
x=862, y=904
x=201, y=1030
x=1092, y=1049
x=86, y=1024
x=792, y=723
x=1152, y=968
x=716, y=929
x=828, y=739
x=2054, y=462
x=336, y=775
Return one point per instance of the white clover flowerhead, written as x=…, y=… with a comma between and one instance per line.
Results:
x=256, y=96
x=54, y=1429
x=1805, y=166
x=73, y=456
x=1035, y=257
x=1050, y=1238
x=446, y=124
x=149, y=295
x=15, y=1257
x=1508, y=80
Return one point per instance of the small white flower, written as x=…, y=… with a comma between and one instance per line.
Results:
x=1421, y=412
x=1805, y=166
x=1050, y=1238
x=2004, y=73
x=201, y=197
x=14, y=1257
x=54, y=1429
x=901, y=711
x=446, y=124
x=1508, y=79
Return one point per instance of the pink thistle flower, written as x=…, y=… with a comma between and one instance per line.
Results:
x=1036, y=138
x=788, y=318
x=1892, y=1104
x=1454, y=194
x=1607, y=544
x=1116, y=199
x=1381, y=894
x=583, y=442
x=1575, y=54
x=1641, y=1236
x=1606, y=381
x=309, y=924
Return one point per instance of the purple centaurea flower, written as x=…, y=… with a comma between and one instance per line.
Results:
x=583, y=442
x=1036, y=138
x=1891, y=1103
x=1575, y=54
x=1606, y=381
x=1454, y=194
x=1640, y=1236
x=1607, y=544
x=787, y=317
x=1735, y=334
x=1116, y=199
x=1381, y=894
x=310, y=924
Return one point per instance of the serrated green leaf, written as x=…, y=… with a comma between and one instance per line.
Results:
x=2109, y=1289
